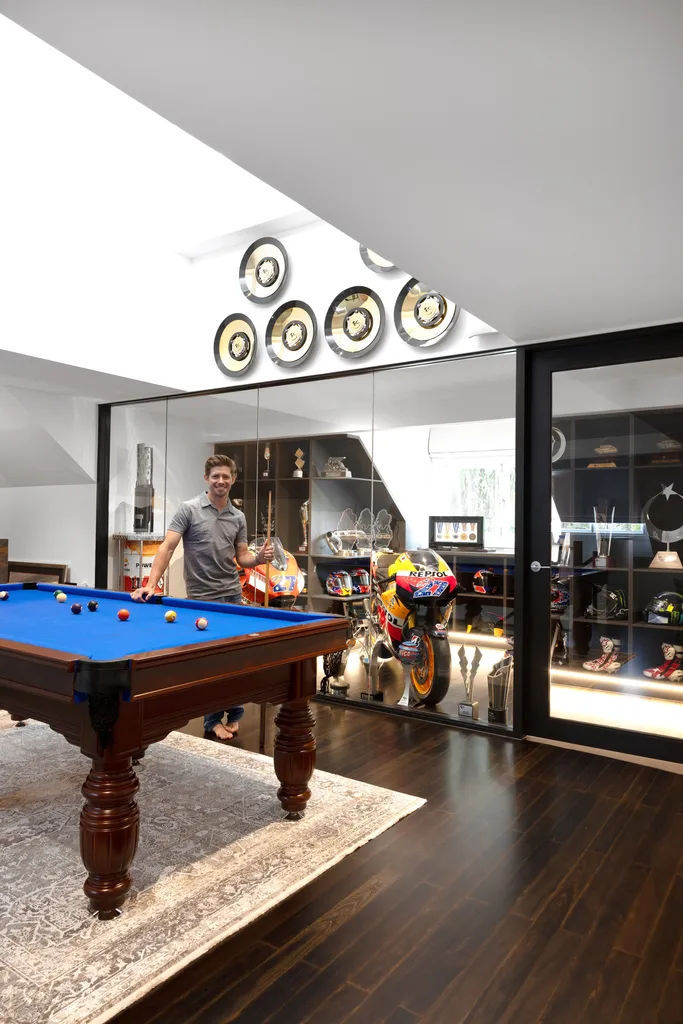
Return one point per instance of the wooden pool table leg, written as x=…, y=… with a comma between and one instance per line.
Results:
x=110, y=826
x=294, y=756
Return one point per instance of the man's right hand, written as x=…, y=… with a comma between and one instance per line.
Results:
x=144, y=593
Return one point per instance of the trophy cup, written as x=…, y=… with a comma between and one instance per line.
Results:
x=143, y=514
x=500, y=682
x=299, y=463
x=304, y=516
x=603, y=539
x=266, y=456
x=469, y=708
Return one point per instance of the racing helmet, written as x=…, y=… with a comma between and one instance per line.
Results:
x=559, y=595
x=607, y=603
x=339, y=584
x=665, y=609
x=483, y=582
x=360, y=581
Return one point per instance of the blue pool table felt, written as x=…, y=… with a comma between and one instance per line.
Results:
x=35, y=617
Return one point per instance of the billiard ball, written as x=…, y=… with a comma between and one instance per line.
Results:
x=61, y=598
x=170, y=616
x=93, y=606
x=123, y=614
x=201, y=623
x=3, y=595
x=57, y=593
x=76, y=609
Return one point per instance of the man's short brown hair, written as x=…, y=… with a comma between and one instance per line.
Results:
x=220, y=460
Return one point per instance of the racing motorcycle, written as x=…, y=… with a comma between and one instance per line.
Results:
x=413, y=605
x=286, y=581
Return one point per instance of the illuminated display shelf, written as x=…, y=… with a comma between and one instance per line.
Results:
x=621, y=492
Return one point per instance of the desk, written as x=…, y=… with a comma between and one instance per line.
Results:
x=112, y=688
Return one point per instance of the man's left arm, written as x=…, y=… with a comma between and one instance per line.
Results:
x=244, y=556
x=247, y=560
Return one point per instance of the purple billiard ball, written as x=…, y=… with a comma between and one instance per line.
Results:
x=76, y=609
x=93, y=606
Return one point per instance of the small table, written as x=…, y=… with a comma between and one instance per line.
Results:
x=112, y=688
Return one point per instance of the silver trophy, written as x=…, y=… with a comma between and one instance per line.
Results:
x=500, y=685
x=469, y=708
x=604, y=528
x=334, y=469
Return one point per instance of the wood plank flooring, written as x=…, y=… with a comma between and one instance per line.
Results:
x=537, y=885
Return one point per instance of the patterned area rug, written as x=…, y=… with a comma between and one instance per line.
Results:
x=215, y=853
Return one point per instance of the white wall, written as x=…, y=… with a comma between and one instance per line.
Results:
x=51, y=524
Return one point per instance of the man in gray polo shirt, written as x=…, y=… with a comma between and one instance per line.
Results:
x=214, y=533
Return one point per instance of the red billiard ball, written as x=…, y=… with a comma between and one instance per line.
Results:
x=76, y=609
x=201, y=623
x=124, y=614
x=93, y=606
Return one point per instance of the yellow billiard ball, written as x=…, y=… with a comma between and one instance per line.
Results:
x=170, y=616
x=61, y=598
x=201, y=623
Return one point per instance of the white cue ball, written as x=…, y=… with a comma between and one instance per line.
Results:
x=61, y=598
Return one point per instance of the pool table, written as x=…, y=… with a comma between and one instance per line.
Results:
x=114, y=687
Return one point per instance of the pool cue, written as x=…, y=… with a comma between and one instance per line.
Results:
x=270, y=506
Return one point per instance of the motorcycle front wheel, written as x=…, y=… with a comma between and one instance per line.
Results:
x=432, y=678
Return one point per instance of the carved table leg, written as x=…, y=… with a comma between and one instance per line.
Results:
x=110, y=825
x=294, y=756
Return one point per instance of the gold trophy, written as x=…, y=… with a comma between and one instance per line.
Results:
x=299, y=463
x=304, y=515
x=266, y=456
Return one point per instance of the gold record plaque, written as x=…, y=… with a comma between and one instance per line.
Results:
x=422, y=316
x=263, y=270
x=290, y=334
x=354, y=322
x=234, y=346
x=373, y=261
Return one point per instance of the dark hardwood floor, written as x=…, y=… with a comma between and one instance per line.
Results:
x=537, y=884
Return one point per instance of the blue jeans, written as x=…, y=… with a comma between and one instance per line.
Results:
x=234, y=714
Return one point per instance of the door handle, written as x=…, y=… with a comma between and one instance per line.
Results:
x=536, y=567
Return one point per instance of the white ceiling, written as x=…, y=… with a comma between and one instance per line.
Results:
x=32, y=374
x=524, y=158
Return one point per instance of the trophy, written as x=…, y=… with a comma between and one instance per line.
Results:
x=266, y=456
x=666, y=559
x=381, y=531
x=603, y=538
x=304, y=516
x=335, y=469
x=669, y=453
x=299, y=463
x=605, y=451
x=500, y=682
x=469, y=708
x=143, y=515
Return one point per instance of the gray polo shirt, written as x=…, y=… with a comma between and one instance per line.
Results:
x=210, y=539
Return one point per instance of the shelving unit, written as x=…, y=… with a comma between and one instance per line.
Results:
x=328, y=497
x=627, y=486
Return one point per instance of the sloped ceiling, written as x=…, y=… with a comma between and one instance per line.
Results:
x=525, y=158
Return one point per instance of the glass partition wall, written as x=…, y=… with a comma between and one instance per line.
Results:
x=392, y=496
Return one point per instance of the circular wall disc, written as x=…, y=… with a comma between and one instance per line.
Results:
x=354, y=322
x=291, y=333
x=375, y=262
x=422, y=316
x=263, y=269
x=234, y=346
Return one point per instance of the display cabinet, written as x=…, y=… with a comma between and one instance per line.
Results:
x=259, y=476
x=617, y=594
